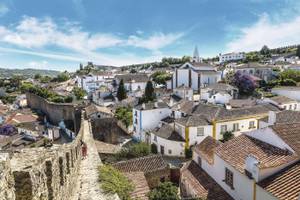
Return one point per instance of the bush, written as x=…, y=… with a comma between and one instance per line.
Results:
x=134, y=151
x=164, y=191
x=188, y=152
x=288, y=82
x=69, y=99
x=154, y=149
x=124, y=114
x=228, y=135
x=113, y=181
x=79, y=93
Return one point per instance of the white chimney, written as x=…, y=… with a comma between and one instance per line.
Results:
x=155, y=105
x=144, y=106
x=251, y=167
x=228, y=106
x=272, y=118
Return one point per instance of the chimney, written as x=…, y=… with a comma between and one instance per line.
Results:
x=228, y=106
x=272, y=118
x=144, y=106
x=251, y=167
x=155, y=105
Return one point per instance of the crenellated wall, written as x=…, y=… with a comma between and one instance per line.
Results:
x=41, y=173
x=56, y=112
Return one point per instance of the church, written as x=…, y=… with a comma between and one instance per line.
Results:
x=195, y=74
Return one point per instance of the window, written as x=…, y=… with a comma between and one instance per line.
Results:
x=236, y=127
x=199, y=161
x=200, y=131
x=295, y=107
x=251, y=124
x=170, y=151
x=223, y=128
x=229, y=177
x=291, y=107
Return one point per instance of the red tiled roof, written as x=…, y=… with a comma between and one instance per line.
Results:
x=235, y=152
x=201, y=183
x=207, y=148
x=290, y=134
x=143, y=164
x=141, y=188
x=284, y=184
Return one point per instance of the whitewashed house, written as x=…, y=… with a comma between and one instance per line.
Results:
x=234, y=56
x=195, y=75
x=133, y=82
x=146, y=117
x=218, y=93
x=93, y=81
x=288, y=91
x=284, y=103
x=264, y=72
x=184, y=92
x=262, y=164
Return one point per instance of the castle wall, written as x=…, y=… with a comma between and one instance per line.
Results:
x=41, y=173
x=56, y=112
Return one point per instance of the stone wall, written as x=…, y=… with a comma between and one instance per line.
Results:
x=41, y=173
x=157, y=176
x=56, y=112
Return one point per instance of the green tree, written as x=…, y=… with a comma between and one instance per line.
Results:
x=290, y=74
x=228, y=135
x=121, y=93
x=134, y=151
x=124, y=114
x=114, y=182
x=37, y=76
x=79, y=93
x=298, y=51
x=161, y=77
x=164, y=191
x=62, y=77
x=265, y=50
x=149, y=92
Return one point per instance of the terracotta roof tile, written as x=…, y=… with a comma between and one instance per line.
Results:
x=141, y=187
x=290, y=134
x=202, y=184
x=235, y=152
x=207, y=148
x=284, y=184
x=145, y=164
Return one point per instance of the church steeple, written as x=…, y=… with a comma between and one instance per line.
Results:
x=196, y=57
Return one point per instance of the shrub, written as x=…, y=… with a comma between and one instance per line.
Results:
x=164, y=191
x=134, y=151
x=188, y=152
x=68, y=99
x=228, y=135
x=124, y=114
x=113, y=181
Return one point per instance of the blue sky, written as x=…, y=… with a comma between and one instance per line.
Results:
x=59, y=34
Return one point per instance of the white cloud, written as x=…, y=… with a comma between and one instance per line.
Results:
x=154, y=42
x=3, y=9
x=266, y=32
x=38, y=64
x=31, y=32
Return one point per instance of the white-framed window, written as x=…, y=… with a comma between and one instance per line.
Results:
x=251, y=124
x=200, y=131
x=236, y=127
x=223, y=128
x=229, y=177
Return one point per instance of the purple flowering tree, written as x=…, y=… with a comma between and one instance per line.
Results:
x=245, y=83
x=7, y=129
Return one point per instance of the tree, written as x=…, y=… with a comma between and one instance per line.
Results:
x=134, y=151
x=298, y=51
x=228, y=135
x=62, y=77
x=245, y=83
x=37, y=76
x=124, y=114
x=149, y=92
x=290, y=74
x=160, y=77
x=265, y=50
x=164, y=191
x=121, y=93
x=113, y=181
x=80, y=66
x=229, y=78
x=79, y=93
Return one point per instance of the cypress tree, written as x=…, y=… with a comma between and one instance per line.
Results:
x=149, y=92
x=298, y=51
x=121, y=93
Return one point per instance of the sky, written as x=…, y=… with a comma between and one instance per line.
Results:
x=60, y=34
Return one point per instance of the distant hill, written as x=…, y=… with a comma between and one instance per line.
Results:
x=27, y=73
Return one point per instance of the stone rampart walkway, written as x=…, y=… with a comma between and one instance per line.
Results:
x=88, y=185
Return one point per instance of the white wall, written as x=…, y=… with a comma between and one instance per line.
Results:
x=176, y=147
x=195, y=80
x=293, y=94
x=262, y=194
x=193, y=138
x=148, y=120
x=183, y=77
x=243, y=126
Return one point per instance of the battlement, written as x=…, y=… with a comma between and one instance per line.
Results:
x=41, y=173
